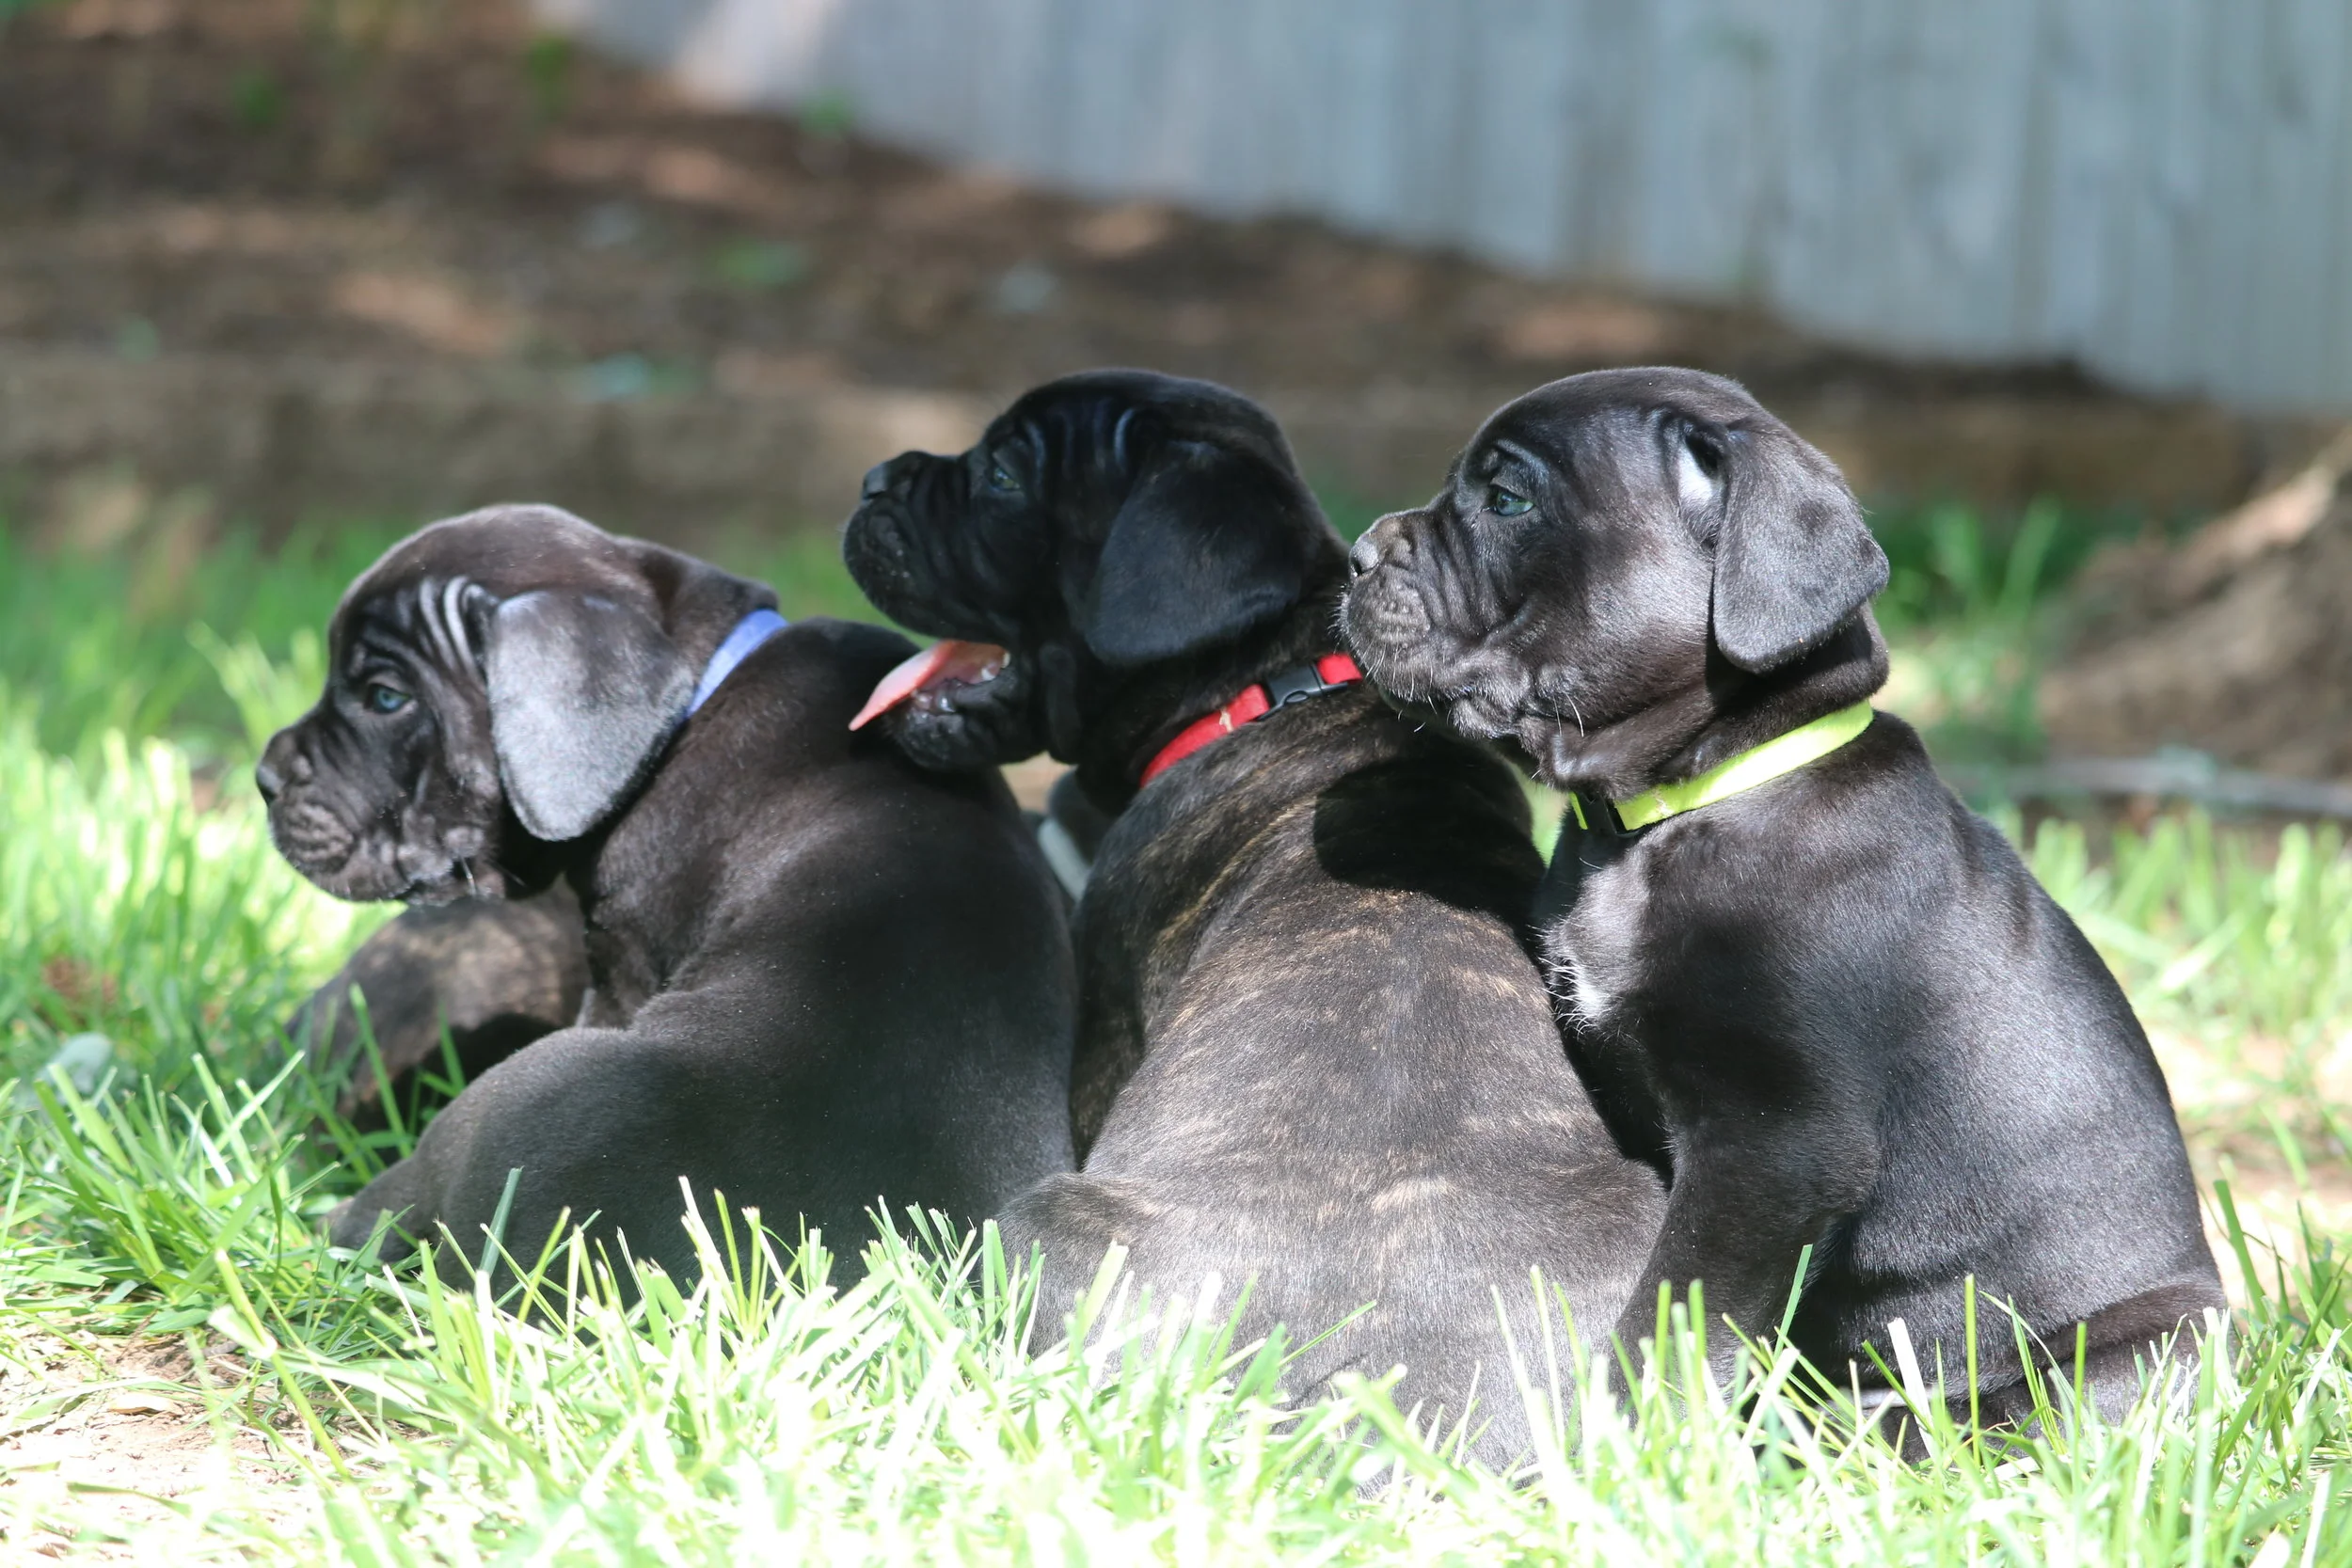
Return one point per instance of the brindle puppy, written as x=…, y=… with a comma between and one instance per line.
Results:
x=1835, y=1008
x=1312, y=1051
x=486, y=976
x=821, y=976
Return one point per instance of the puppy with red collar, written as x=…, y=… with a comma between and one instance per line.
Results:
x=1313, y=1053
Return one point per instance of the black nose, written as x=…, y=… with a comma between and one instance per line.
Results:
x=269, y=780
x=877, y=480
x=1364, y=557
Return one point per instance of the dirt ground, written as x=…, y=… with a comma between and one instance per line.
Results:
x=113, y=1433
x=2238, y=644
x=186, y=167
x=219, y=207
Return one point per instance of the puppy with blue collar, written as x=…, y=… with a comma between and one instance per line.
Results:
x=821, y=975
x=1823, y=999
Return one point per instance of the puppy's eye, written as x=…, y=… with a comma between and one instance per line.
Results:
x=1506, y=502
x=385, y=699
x=1000, y=478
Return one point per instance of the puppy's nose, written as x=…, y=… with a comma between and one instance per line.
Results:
x=877, y=480
x=1384, y=540
x=277, y=760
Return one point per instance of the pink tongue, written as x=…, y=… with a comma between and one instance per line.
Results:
x=947, y=660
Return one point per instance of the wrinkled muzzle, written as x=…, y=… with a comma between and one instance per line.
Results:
x=1424, y=633
x=340, y=816
x=1386, y=617
x=968, y=701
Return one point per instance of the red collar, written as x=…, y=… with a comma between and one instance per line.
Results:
x=1327, y=674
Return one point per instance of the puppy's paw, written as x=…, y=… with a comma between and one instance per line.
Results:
x=972, y=726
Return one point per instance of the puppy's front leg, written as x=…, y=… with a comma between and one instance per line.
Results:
x=495, y=974
x=1745, y=1203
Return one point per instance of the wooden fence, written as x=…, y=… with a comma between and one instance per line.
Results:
x=2160, y=189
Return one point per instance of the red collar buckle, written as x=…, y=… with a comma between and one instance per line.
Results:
x=1327, y=674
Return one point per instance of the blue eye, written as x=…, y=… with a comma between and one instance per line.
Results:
x=385, y=698
x=1000, y=478
x=1506, y=504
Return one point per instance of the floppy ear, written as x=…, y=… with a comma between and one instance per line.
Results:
x=583, y=690
x=1793, y=558
x=1210, y=543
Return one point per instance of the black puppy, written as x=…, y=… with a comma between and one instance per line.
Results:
x=1312, y=1050
x=1825, y=998
x=821, y=976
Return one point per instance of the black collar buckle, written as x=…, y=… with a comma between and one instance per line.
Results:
x=1295, y=686
x=1597, y=815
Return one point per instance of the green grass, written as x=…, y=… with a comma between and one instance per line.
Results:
x=770, y=1415
x=1974, y=608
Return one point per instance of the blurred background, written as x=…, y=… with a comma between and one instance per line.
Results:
x=2064, y=285
x=2063, y=273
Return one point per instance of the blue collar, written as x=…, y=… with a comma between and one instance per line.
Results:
x=749, y=633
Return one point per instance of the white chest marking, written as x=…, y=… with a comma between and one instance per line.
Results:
x=1596, y=949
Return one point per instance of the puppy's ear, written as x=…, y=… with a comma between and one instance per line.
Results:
x=583, y=690
x=1209, y=543
x=1793, y=557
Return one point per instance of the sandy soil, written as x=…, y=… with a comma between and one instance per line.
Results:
x=102, y=1436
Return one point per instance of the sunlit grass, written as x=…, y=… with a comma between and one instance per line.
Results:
x=129, y=909
x=764, y=1413
x=931, y=1411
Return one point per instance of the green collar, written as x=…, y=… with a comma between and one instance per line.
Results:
x=1757, y=765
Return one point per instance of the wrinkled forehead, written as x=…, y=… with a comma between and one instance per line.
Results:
x=396, y=572
x=1579, y=443
x=1604, y=416
x=414, y=594
x=509, y=549
x=409, y=615
x=1106, y=416
x=1059, y=427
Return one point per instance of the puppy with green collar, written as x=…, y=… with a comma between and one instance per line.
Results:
x=1828, y=1002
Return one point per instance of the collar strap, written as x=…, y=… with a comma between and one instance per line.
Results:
x=745, y=640
x=1757, y=765
x=1327, y=674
